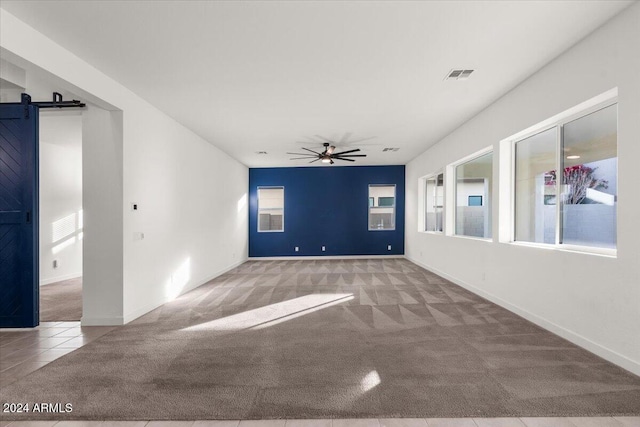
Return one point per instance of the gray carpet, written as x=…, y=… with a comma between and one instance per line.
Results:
x=322, y=339
x=61, y=301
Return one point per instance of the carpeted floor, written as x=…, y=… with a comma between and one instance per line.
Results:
x=61, y=301
x=322, y=339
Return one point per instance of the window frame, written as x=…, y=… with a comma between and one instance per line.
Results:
x=423, y=205
x=508, y=156
x=453, y=207
x=268, y=187
x=394, y=207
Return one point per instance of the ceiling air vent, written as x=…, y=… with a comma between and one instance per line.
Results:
x=458, y=74
x=390, y=149
x=261, y=152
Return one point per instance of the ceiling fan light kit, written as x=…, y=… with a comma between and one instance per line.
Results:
x=328, y=155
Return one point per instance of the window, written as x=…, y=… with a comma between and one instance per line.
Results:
x=473, y=185
x=589, y=181
x=578, y=206
x=433, y=203
x=382, y=211
x=386, y=201
x=270, y=209
x=535, y=188
x=475, y=201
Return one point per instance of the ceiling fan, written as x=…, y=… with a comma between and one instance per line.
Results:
x=328, y=155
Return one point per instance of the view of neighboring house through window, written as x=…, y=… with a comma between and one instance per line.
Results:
x=590, y=170
x=579, y=206
x=382, y=207
x=473, y=195
x=535, y=188
x=433, y=203
x=270, y=209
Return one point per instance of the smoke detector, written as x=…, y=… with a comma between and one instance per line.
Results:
x=458, y=74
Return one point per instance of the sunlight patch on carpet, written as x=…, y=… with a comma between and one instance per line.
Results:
x=273, y=314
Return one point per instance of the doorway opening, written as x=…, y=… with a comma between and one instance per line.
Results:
x=75, y=246
x=61, y=215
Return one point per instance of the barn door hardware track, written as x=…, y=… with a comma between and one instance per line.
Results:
x=57, y=102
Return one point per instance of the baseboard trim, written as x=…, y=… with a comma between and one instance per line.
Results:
x=577, y=339
x=101, y=321
x=314, y=258
x=149, y=307
x=60, y=278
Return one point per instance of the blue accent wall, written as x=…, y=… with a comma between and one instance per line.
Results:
x=326, y=206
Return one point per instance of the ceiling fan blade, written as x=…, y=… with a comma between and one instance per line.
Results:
x=302, y=154
x=314, y=152
x=345, y=137
x=351, y=155
x=302, y=158
x=323, y=138
x=314, y=160
x=346, y=160
x=362, y=140
x=345, y=152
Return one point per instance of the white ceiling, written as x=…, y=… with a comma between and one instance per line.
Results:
x=259, y=76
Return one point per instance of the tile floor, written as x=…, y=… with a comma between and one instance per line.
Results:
x=372, y=422
x=23, y=351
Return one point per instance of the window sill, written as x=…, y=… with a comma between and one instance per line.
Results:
x=585, y=250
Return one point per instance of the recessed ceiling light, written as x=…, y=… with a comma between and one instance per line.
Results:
x=572, y=157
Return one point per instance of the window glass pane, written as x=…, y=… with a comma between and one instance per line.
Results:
x=475, y=201
x=433, y=203
x=535, y=188
x=270, y=208
x=382, y=211
x=589, y=191
x=473, y=184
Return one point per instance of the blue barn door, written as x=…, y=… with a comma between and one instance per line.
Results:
x=19, y=292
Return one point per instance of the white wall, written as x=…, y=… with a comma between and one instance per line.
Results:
x=192, y=197
x=102, y=290
x=60, y=197
x=592, y=300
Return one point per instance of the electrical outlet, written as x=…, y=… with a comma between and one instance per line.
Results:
x=55, y=263
x=134, y=206
x=297, y=249
x=388, y=247
x=138, y=235
x=323, y=249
